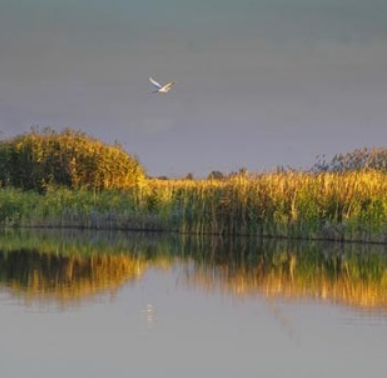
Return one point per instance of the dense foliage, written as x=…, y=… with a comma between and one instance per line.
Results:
x=359, y=159
x=45, y=158
x=335, y=206
x=346, y=200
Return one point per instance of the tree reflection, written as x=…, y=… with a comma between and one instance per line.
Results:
x=66, y=268
x=47, y=276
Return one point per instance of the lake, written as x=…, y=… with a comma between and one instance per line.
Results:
x=97, y=304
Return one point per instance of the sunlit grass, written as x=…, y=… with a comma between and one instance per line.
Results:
x=44, y=158
x=335, y=206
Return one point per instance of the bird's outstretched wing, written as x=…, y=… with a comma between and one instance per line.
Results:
x=168, y=86
x=155, y=83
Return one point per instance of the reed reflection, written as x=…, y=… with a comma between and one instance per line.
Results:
x=47, y=276
x=74, y=266
x=349, y=274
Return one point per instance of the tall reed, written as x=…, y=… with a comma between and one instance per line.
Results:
x=329, y=205
x=70, y=158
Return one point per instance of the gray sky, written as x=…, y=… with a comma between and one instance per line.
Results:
x=259, y=83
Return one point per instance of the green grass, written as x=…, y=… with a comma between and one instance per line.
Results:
x=333, y=206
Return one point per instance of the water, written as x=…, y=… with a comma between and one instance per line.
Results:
x=88, y=304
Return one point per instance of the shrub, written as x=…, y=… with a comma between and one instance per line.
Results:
x=359, y=159
x=69, y=158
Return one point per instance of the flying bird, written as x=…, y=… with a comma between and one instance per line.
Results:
x=161, y=88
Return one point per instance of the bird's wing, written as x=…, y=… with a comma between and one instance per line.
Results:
x=168, y=86
x=155, y=83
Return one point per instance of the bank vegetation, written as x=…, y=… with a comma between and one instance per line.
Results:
x=68, y=180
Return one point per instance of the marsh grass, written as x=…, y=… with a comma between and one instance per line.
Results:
x=329, y=205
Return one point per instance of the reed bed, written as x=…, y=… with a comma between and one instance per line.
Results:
x=328, y=205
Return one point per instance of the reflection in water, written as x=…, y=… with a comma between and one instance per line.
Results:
x=47, y=276
x=70, y=266
x=149, y=312
x=356, y=279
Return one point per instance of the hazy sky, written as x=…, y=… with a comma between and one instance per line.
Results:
x=259, y=83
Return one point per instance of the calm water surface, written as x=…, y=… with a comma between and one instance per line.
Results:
x=119, y=305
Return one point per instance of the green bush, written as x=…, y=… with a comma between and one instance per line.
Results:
x=70, y=158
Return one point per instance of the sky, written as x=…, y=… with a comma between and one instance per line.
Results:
x=259, y=83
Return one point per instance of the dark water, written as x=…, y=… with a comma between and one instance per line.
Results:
x=82, y=304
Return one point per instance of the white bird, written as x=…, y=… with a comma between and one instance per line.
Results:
x=161, y=88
